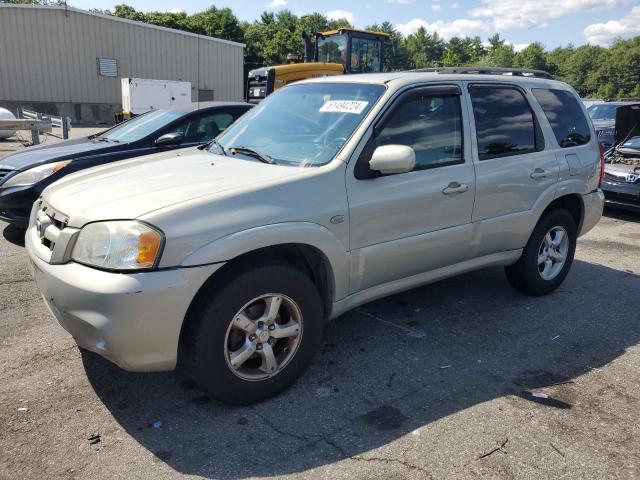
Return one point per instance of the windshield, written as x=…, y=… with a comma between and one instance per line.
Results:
x=304, y=124
x=139, y=127
x=333, y=49
x=602, y=112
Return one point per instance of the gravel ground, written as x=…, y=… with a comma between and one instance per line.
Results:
x=436, y=382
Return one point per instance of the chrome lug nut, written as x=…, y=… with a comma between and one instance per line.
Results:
x=252, y=337
x=272, y=327
x=259, y=346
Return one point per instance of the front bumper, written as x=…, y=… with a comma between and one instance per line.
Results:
x=622, y=195
x=15, y=204
x=134, y=319
x=593, y=206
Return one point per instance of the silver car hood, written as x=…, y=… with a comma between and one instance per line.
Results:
x=132, y=188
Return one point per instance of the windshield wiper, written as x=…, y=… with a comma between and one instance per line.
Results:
x=107, y=139
x=263, y=157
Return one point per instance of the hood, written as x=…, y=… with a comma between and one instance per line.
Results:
x=130, y=189
x=38, y=154
x=627, y=122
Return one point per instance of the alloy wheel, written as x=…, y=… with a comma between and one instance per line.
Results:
x=263, y=337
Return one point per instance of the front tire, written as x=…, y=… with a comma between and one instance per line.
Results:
x=548, y=255
x=256, y=335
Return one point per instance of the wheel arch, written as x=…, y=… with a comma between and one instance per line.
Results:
x=309, y=259
x=572, y=203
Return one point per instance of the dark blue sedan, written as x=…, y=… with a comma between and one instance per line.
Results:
x=26, y=173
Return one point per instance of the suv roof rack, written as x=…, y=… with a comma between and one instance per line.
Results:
x=516, y=72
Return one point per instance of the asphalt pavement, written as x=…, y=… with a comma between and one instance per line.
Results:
x=465, y=378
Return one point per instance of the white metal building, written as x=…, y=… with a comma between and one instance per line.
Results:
x=65, y=61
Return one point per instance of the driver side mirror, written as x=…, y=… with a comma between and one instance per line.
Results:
x=168, y=140
x=391, y=159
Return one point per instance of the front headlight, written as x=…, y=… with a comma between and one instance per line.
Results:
x=118, y=245
x=36, y=174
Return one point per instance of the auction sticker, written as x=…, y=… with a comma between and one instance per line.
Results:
x=344, y=106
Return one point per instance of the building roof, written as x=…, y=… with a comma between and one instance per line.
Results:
x=118, y=19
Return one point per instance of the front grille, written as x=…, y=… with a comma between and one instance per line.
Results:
x=614, y=178
x=50, y=225
x=49, y=228
x=3, y=173
x=257, y=89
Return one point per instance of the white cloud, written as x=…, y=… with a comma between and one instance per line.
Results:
x=507, y=14
x=436, y=7
x=338, y=14
x=457, y=28
x=455, y=5
x=518, y=47
x=276, y=3
x=399, y=2
x=606, y=33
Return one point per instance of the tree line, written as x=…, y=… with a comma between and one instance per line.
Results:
x=594, y=71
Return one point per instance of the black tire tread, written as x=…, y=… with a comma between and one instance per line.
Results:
x=523, y=275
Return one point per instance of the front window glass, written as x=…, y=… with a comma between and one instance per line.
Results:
x=305, y=124
x=139, y=127
x=333, y=49
x=602, y=112
x=365, y=55
x=432, y=126
x=504, y=122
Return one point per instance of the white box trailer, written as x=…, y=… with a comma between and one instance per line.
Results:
x=139, y=95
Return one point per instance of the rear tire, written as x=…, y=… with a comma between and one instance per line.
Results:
x=548, y=255
x=256, y=334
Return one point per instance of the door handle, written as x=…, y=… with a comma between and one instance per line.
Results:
x=455, y=187
x=539, y=174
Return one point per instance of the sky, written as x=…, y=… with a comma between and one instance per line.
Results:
x=550, y=22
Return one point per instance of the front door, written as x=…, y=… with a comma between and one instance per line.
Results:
x=405, y=224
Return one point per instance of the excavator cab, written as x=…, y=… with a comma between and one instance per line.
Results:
x=336, y=52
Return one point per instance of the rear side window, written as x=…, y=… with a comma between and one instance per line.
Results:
x=504, y=121
x=565, y=116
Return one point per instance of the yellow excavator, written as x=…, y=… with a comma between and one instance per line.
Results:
x=336, y=52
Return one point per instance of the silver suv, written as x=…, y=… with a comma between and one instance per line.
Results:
x=331, y=193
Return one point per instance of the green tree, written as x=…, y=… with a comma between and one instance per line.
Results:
x=533, y=56
x=425, y=50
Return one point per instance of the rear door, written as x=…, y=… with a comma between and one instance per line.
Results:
x=410, y=223
x=513, y=168
x=576, y=153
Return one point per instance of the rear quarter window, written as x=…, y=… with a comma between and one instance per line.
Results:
x=567, y=120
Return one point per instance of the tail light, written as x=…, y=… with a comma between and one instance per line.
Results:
x=601, y=164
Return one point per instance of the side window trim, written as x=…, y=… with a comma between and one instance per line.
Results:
x=361, y=168
x=426, y=91
x=538, y=136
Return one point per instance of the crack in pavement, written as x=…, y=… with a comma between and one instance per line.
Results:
x=389, y=461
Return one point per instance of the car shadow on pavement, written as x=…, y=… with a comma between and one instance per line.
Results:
x=620, y=214
x=13, y=234
x=386, y=369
